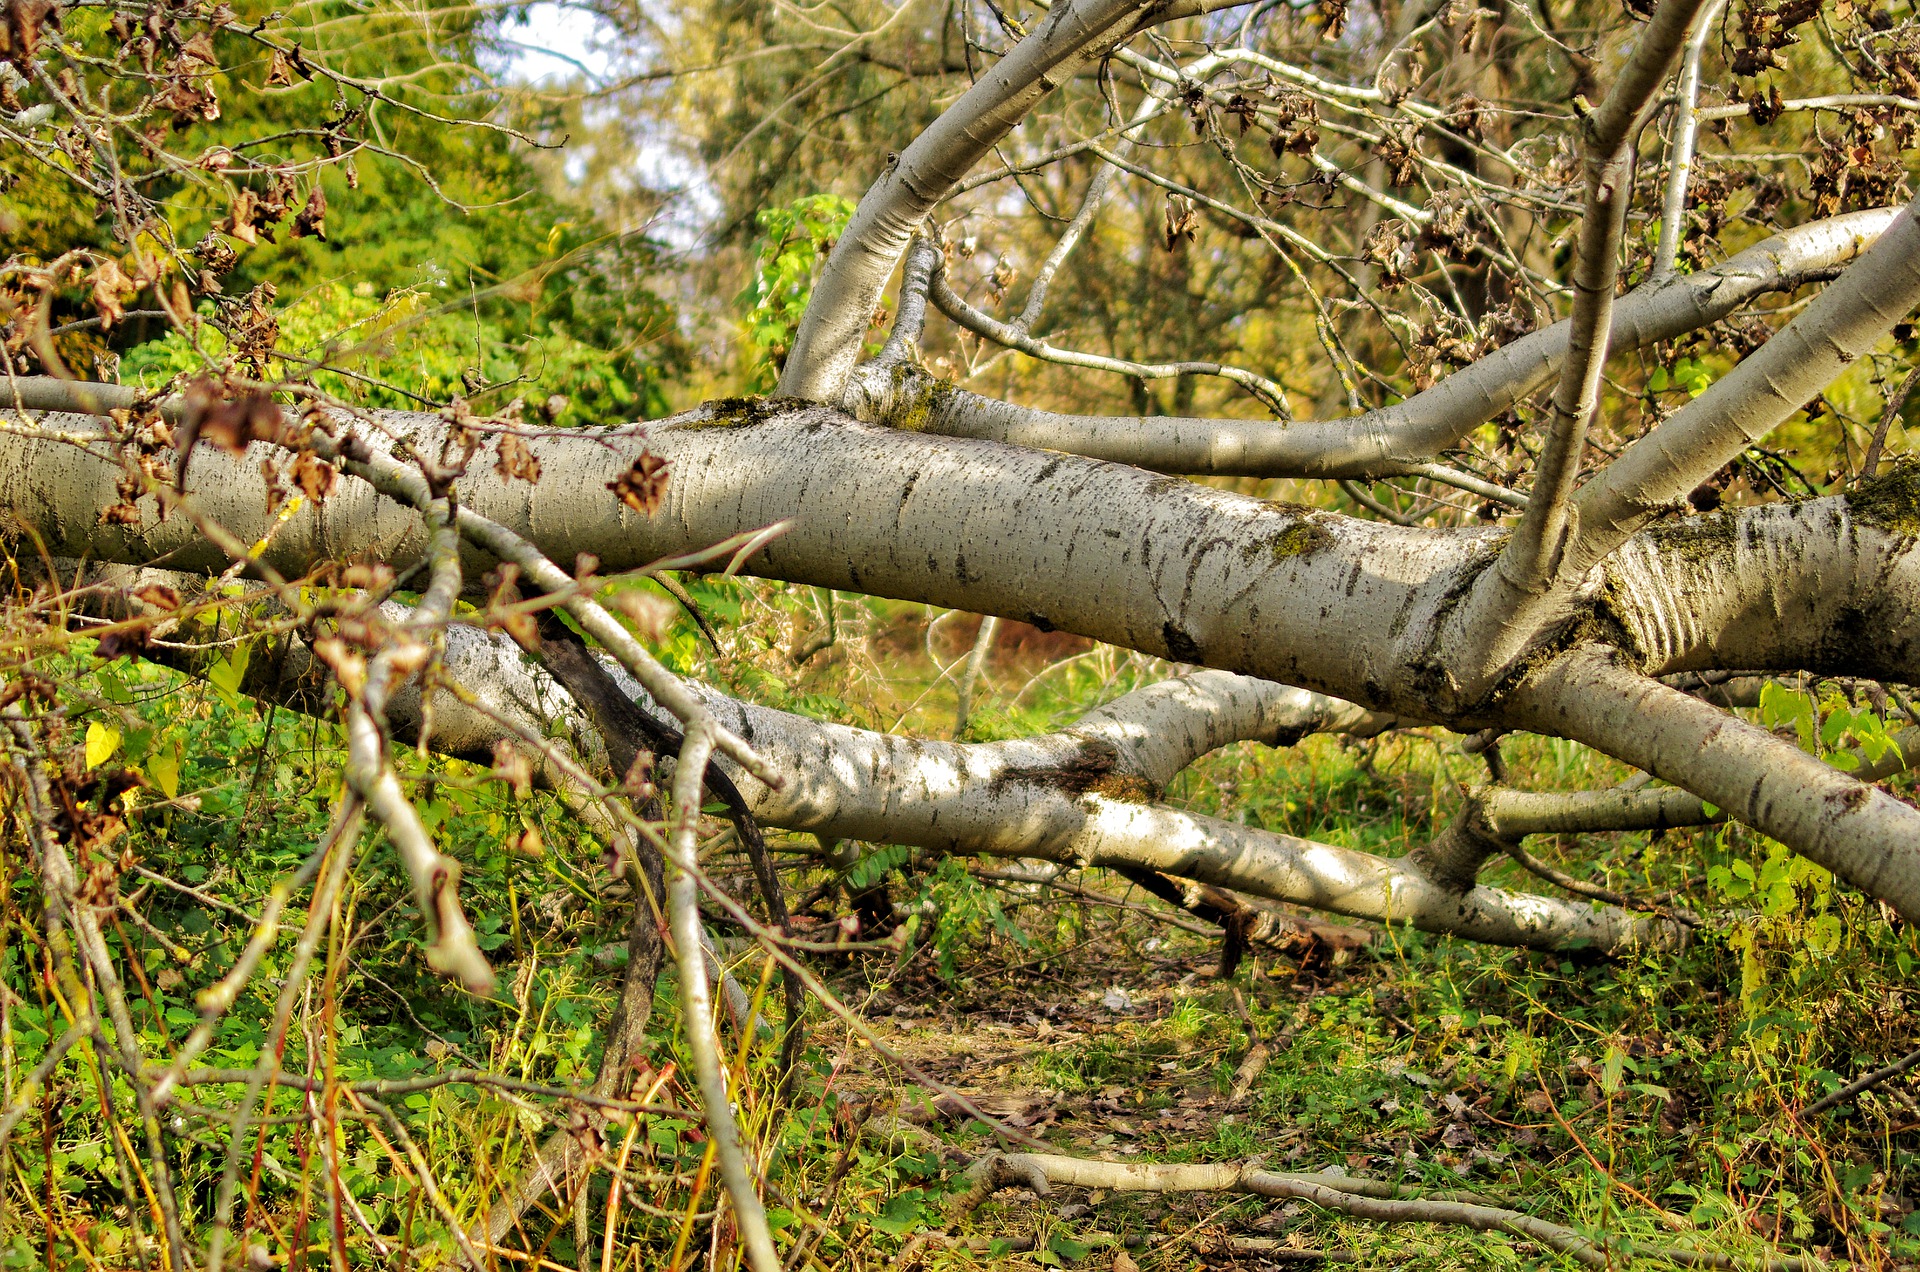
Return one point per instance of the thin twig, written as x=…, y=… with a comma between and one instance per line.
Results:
x=1858, y=1085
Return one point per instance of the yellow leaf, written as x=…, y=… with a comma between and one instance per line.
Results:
x=102, y=741
x=163, y=769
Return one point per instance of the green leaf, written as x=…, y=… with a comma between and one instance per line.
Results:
x=901, y=1216
x=102, y=741
x=1067, y=1248
x=1824, y=934
x=112, y=687
x=1611, y=1068
x=1838, y=722
x=226, y=676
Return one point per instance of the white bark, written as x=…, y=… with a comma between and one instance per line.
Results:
x=1329, y=603
x=1055, y=798
x=1841, y=325
x=1390, y=440
x=849, y=290
x=1686, y=127
x=1340, y=606
x=1075, y=797
x=1865, y=836
x=1499, y=618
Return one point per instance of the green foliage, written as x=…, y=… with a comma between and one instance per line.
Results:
x=963, y=916
x=442, y=244
x=401, y=350
x=794, y=243
x=237, y=797
x=1690, y=374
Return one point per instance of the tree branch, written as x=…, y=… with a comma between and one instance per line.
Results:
x=1686, y=126
x=1504, y=612
x=828, y=342
x=1865, y=836
x=1392, y=440
x=1657, y=472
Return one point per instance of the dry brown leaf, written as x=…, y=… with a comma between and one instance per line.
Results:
x=312, y=219
x=199, y=49
x=517, y=459
x=643, y=486
x=652, y=616
x=1183, y=220
x=240, y=217
x=279, y=71
x=512, y=767
x=158, y=595
x=315, y=477
x=111, y=287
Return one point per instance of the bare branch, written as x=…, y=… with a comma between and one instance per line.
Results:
x=1686, y=126
x=1392, y=439
x=1504, y=611
x=828, y=342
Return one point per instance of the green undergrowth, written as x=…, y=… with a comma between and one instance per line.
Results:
x=1646, y=1100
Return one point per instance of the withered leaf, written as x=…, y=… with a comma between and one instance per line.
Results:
x=199, y=49
x=111, y=287
x=216, y=255
x=1296, y=124
x=315, y=477
x=652, y=616
x=282, y=193
x=231, y=425
x=228, y=424
x=126, y=642
x=279, y=71
x=517, y=459
x=312, y=219
x=642, y=486
x=512, y=767
x=158, y=595
x=240, y=217
x=1399, y=150
x=1183, y=221
x=1001, y=279
x=20, y=31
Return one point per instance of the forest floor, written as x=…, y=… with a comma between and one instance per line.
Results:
x=1644, y=1102
x=1126, y=1045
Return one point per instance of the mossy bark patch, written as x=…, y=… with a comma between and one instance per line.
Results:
x=1890, y=501
x=917, y=399
x=742, y=412
x=1300, y=539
